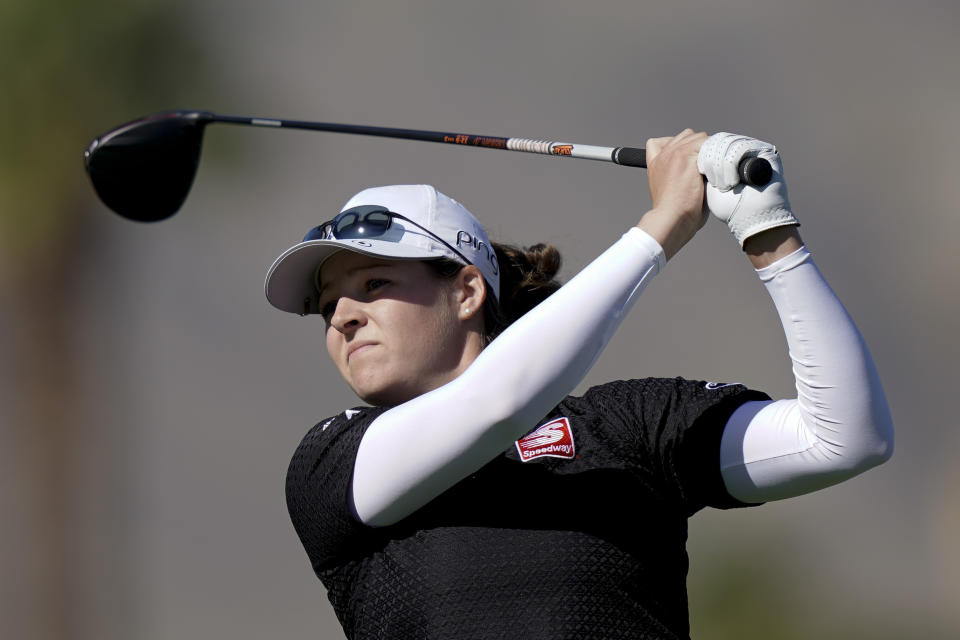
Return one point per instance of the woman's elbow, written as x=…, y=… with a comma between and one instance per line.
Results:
x=883, y=450
x=883, y=428
x=875, y=450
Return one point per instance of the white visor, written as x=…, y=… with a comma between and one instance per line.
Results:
x=291, y=280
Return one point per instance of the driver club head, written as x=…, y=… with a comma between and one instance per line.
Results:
x=143, y=170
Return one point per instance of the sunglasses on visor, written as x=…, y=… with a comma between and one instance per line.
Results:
x=367, y=221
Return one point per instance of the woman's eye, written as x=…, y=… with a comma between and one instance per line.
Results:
x=376, y=283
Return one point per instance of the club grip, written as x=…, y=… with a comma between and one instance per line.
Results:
x=755, y=172
x=630, y=156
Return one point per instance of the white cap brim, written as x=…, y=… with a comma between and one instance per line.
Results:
x=291, y=280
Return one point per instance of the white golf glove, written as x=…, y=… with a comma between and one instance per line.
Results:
x=746, y=210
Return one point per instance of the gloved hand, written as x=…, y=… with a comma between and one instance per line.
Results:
x=746, y=210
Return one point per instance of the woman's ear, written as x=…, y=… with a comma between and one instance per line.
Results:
x=470, y=293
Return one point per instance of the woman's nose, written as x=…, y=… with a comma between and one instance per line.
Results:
x=348, y=315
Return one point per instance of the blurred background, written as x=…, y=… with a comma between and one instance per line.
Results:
x=150, y=399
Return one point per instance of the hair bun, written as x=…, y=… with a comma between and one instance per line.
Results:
x=527, y=277
x=543, y=263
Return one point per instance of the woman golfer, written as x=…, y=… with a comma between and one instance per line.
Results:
x=474, y=498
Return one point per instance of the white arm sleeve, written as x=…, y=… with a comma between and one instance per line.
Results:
x=415, y=451
x=838, y=426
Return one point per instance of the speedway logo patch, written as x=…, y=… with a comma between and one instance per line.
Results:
x=553, y=439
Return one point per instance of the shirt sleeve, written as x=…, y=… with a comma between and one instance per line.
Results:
x=318, y=487
x=674, y=428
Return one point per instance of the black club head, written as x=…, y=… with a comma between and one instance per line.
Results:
x=143, y=170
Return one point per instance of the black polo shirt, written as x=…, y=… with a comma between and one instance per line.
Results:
x=578, y=530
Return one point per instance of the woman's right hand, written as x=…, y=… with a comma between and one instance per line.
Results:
x=676, y=189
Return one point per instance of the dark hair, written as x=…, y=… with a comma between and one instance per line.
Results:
x=527, y=278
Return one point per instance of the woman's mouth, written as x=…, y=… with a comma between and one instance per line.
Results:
x=359, y=348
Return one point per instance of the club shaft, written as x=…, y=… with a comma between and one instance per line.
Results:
x=627, y=156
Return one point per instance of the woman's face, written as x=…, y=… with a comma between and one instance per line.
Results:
x=394, y=329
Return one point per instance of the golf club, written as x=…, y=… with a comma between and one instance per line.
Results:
x=143, y=169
